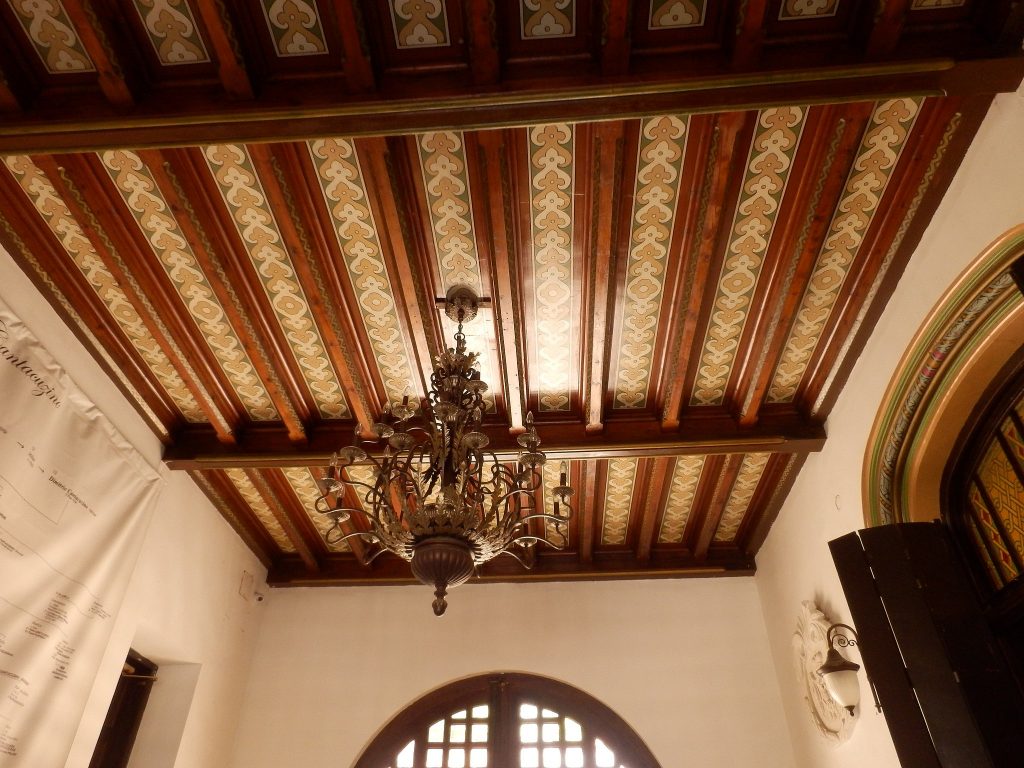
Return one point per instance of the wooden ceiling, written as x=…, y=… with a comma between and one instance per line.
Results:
x=686, y=217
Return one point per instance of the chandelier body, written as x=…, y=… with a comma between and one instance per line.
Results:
x=438, y=498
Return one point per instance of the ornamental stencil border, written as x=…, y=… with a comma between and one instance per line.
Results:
x=983, y=293
x=655, y=199
x=878, y=155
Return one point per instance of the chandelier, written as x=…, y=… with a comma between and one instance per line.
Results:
x=435, y=496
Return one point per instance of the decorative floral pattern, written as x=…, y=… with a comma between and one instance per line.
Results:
x=304, y=486
x=551, y=208
x=295, y=27
x=618, y=497
x=341, y=181
x=879, y=152
x=547, y=18
x=52, y=35
x=682, y=491
x=152, y=213
x=260, y=508
x=804, y=9
x=676, y=14
x=172, y=31
x=446, y=187
x=742, y=492
x=66, y=229
x=920, y=5
x=662, y=144
x=244, y=196
x=419, y=23
x=768, y=166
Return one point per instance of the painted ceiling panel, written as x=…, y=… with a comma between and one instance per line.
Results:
x=683, y=216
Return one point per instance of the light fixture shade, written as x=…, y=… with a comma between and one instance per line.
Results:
x=840, y=677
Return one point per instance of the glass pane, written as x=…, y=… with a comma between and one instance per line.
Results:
x=549, y=713
x=460, y=715
x=528, y=733
x=605, y=758
x=550, y=732
x=574, y=757
x=458, y=733
x=436, y=733
x=480, y=713
x=552, y=757
x=406, y=755
x=479, y=732
x=529, y=757
x=435, y=758
x=456, y=758
x=527, y=711
x=573, y=731
x=478, y=758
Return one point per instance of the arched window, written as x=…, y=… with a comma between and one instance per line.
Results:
x=507, y=721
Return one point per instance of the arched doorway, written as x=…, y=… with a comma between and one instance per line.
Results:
x=509, y=720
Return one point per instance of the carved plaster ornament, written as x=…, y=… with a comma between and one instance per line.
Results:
x=809, y=651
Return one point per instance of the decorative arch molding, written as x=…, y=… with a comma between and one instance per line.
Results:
x=970, y=334
x=504, y=693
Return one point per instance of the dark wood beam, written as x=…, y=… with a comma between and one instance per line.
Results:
x=615, y=43
x=223, y=288
x=590, y=509
x=494, y=167
x=231, y=68
x=344, y=570
x=9, y=101
x=358, y=68
x=112, y=73
x=267, y=446
x=746, y=45
x=715, y=506
x=652, y=505
x=177, y=119
x=85, y=216
x=484, y=59
x=886, y=27
x=608, y=160
x=284, y=514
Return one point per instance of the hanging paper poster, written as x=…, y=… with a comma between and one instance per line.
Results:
x=75, y=499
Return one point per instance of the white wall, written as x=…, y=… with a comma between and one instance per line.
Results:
x=685, y=662
x=985, y=200
x=182, y=604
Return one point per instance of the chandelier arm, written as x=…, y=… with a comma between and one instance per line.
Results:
x=510, y=553
x=369, y=535
x=529, y=537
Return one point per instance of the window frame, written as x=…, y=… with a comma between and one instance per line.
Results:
x=503, y=693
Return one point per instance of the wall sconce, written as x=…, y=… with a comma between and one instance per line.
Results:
x=839, y=673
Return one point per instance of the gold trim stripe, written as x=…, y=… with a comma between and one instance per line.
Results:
x=879, y=152
x=243, y=194
x=55, y=212
x=151, y=212
x=768, y=165
x=344, y=193
x=659, y=162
